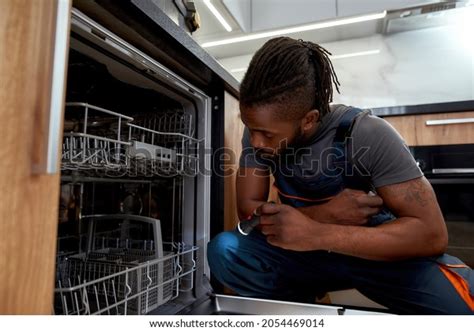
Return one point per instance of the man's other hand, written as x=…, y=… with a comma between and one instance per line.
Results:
x=349, y=207
x=288, y=228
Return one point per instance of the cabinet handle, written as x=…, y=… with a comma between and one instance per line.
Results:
x=49, y=158
x=453, y=170
x=450, y=121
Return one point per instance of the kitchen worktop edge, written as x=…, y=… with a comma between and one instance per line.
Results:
x=433, y=108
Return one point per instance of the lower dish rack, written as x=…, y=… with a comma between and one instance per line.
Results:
x=123, y=277
x=114, y=283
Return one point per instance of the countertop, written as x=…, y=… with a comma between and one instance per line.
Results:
x=182, y=37
x=434, y=108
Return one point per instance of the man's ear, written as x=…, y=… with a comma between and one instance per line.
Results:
x=310, y=119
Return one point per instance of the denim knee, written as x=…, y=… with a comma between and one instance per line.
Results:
x=218, y=250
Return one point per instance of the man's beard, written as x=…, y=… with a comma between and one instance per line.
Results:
x=298, y=140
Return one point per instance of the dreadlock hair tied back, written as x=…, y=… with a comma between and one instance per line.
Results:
x=295, y=73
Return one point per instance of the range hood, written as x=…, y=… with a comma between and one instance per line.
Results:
x=426, y=16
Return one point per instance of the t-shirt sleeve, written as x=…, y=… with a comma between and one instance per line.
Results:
x=248, y=157
x=380, y=151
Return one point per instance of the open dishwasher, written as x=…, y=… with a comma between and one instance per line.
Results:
x=135, y=188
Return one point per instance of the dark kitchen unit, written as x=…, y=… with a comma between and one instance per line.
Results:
x=441, y=139
x=450, y=170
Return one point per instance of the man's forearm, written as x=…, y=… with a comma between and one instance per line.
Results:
x=319, y=213
x=246, y=208
x=403, y=238
x=349, y=207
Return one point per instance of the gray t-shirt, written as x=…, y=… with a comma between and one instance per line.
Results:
x=377, y=151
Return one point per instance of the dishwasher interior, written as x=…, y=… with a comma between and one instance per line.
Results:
x=133, y=219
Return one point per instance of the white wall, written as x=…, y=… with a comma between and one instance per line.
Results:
x=417, y=67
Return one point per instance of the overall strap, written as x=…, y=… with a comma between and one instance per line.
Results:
x=343, y=131
x=341, y=162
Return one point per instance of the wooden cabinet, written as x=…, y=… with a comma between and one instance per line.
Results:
x=28, y=195
x=405, y=125
x=435, y=129
x=445, y=129
x=233, y=130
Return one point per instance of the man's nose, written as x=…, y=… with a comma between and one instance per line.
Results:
x=257, y=143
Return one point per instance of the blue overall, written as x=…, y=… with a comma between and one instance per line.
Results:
x=252, y=267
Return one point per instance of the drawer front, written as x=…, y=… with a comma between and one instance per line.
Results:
x=435, y=129
x=445, y=129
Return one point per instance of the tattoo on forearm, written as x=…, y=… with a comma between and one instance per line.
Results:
x=418, y=193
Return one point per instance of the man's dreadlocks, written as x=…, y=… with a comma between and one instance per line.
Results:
x=294, y=73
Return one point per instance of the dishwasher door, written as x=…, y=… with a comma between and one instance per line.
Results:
x=234, y=305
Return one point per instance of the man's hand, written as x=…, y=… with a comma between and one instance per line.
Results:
x=288, y=228
x=350, y=207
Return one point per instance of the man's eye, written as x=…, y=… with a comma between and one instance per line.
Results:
x=268, y=135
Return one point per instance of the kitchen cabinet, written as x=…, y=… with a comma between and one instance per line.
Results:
x=435, y=129
x=445, y=129
x=234, y=129
x=28, y=196
x=405, y=125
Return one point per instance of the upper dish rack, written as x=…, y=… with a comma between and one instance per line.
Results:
x=107, y=143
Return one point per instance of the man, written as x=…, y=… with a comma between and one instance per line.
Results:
x=330, y=232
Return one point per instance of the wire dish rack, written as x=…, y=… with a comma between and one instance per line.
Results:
x=107, y=143
x=123, y=276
